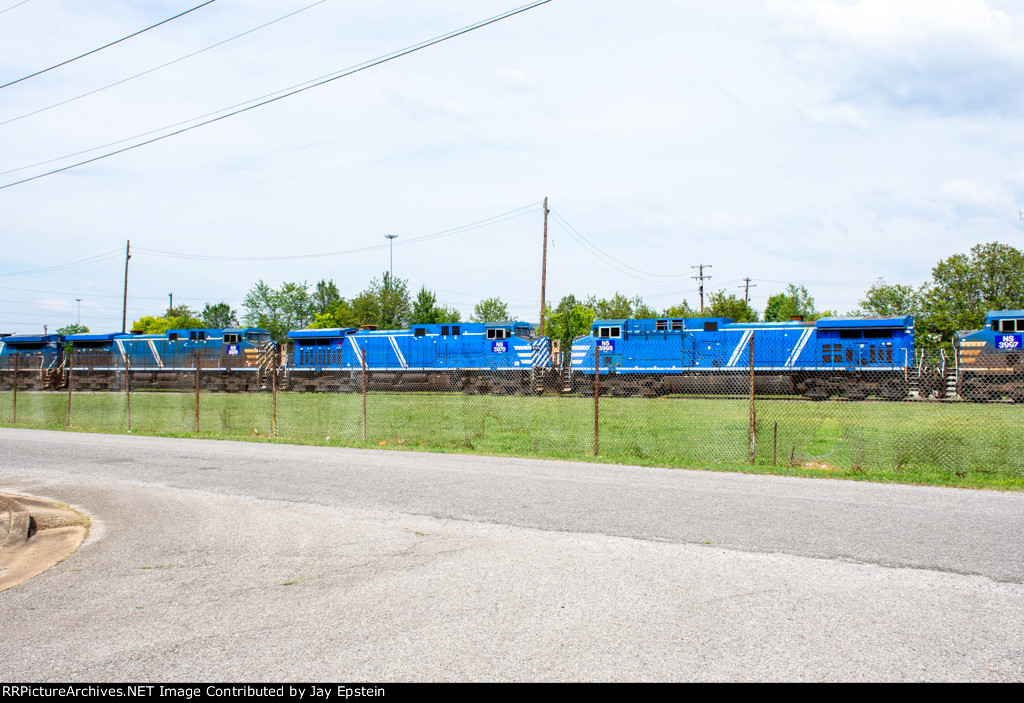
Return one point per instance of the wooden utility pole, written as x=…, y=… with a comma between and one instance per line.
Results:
x=124, y=310
x=543, y=269
x=746, y=290
x=701, y=278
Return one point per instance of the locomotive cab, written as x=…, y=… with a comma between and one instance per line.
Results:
x=39, y=351
x=990, y=361
x=507, y=330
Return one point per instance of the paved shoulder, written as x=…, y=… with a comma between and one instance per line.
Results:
x=954, y=530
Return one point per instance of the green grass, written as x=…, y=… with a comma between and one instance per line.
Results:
x=956, y=444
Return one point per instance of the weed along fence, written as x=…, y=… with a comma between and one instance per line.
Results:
x=738, y=416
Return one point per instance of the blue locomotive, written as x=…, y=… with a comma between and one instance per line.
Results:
x=37, y=357
x=990, y=361
x=173, y=349
x=239, y=358
x=38, y=351
x=834, y=356
x=473, y=357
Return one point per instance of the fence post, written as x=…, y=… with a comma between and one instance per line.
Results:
x=14, y=416
x=597, y=392
x=128, y=389
x=364, y=394
x=273, y=387
x=752, y=411
x=71, y=366
x=196, y=364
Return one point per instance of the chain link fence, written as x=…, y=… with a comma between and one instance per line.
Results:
x=926, y=420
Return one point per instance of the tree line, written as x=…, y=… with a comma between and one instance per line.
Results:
x=962, y=289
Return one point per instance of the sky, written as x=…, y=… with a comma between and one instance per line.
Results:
x=815, y=142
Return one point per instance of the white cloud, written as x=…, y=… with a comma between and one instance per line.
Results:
x=516, y=77
x=795, y=141
x=56, y=304
x=943, y=56
x=970, y=193
x=843, y=114
x=895, y=25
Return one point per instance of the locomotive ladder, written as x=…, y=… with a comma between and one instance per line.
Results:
x=949, y=376
x=267, y=359
x=55, y=376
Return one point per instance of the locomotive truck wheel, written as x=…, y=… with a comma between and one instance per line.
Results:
x=975, y=392
x=893, y=390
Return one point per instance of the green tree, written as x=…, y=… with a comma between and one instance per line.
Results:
x=965, y=287
x=151, y=324
x=219, y=316
x=620, y=307
x=680, y=311
x=325, y=297
x=883, y=299
x=490, y=310
x=728, y=305
x=278, y=310
x=571, y=319
x=181, y=317
x=426, y=311
x=791, y=302
x=384, y=304
x=338, y=314
x=73, y=328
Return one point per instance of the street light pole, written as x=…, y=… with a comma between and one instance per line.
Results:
x=391, y=239
x=79, y=320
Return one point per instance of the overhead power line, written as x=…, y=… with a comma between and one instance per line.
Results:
x=69, y=265
x=107, y=46
x=14, y=6
x=288, y=92
x=510, y=215
x=164, y=65
x=408, y=241
x=608, y=258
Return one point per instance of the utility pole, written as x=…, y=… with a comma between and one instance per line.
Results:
x=124, y=310
x=543, y=269
x=391, y=239
x=701, y=278
x=746, y=290
x=79, y=320
x=171, y=303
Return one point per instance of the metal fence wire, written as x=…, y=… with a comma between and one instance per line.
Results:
x=890, y=417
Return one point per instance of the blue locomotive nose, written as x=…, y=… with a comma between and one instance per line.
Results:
x=990, y=361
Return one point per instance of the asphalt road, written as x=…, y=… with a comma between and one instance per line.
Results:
x=236, y=561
